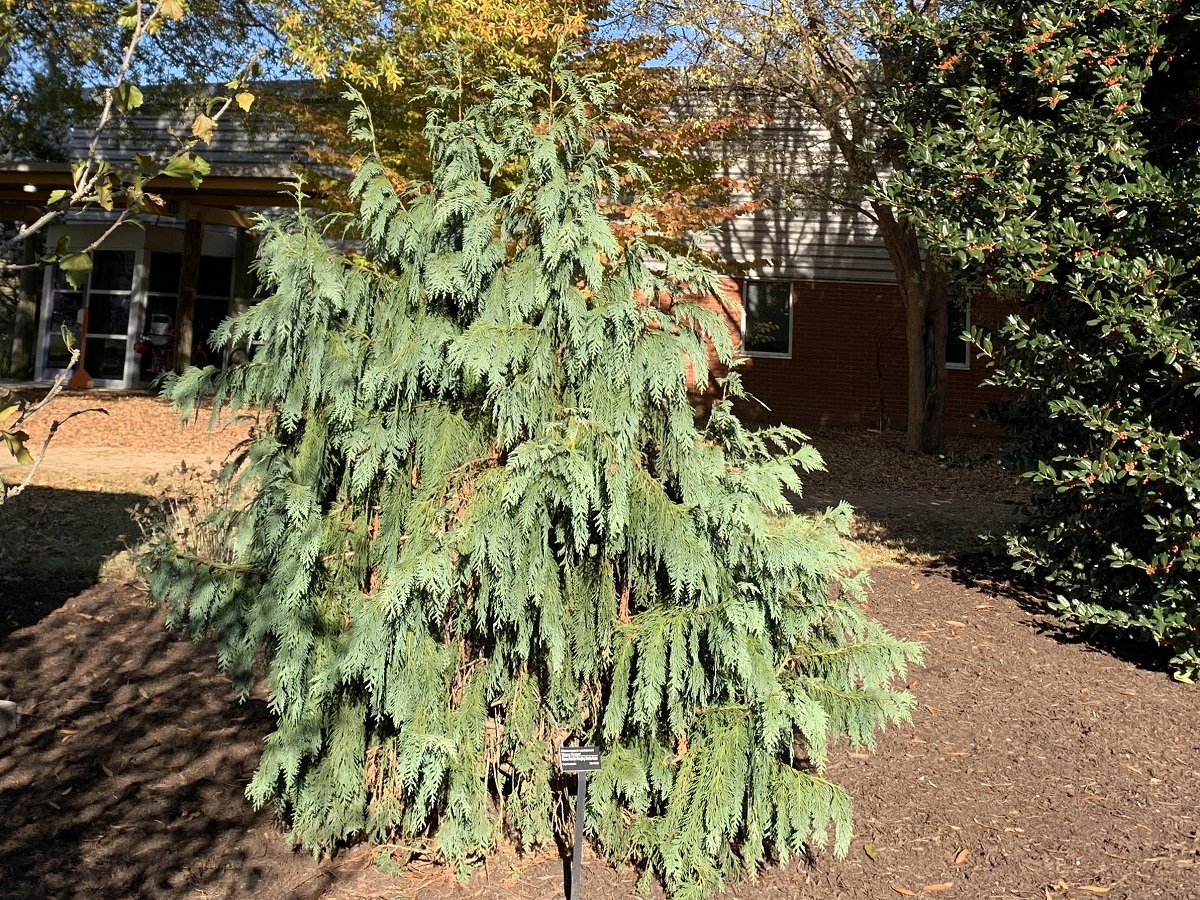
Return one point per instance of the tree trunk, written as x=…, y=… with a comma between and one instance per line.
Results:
x=922, y=284
x=24, y=335
x=185, y=308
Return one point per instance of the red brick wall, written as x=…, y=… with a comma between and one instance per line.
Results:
x=848, y=363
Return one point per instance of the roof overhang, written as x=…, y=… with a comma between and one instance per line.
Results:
x=25, y=189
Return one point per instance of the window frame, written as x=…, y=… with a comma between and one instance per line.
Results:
x=745, y=290
x=54, y=285
x=965, y=365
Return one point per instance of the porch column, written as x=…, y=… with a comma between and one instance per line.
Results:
x=185, y=309
x=244, y=287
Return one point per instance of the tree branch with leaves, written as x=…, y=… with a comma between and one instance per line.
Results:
x=815, y=59
x=98, y=182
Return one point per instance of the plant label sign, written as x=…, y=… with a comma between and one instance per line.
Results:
x=579, y=759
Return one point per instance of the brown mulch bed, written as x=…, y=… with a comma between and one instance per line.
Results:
x=136, y=421
x=914, y=507
x=1037, y=765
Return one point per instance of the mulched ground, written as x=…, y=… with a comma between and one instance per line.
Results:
x=1037, y=765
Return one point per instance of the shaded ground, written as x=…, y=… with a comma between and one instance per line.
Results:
x=913, y=507
x=1037, y=766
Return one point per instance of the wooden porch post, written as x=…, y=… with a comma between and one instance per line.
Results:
x=243, y=288
x=185, y=309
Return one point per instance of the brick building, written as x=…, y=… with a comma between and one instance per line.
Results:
x=839, y=358
x=821, y=321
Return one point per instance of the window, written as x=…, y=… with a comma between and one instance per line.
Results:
x=958, y=351
x=767, y=318
x=109, y=295
x=214, y=287
x=157, y=341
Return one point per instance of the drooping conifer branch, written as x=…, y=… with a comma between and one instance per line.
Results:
x=489, y=525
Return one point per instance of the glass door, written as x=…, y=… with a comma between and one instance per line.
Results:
x=65, y=311
x=109, y=295
x=155, y=348
x=107, y=300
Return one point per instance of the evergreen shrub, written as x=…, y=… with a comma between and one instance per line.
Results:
x=1052, y=155
x=485, y=524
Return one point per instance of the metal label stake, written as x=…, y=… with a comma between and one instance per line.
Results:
x=580, y=761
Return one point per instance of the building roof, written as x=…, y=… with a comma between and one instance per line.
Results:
x=251, y=157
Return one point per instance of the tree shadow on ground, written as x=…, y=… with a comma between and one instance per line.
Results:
x=917, y=527
x=53, y=544
x=989, y=569
x=126, y=777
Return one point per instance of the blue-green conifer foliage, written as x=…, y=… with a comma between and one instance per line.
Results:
x=481, y=522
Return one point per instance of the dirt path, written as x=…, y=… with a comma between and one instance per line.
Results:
x=65, y=464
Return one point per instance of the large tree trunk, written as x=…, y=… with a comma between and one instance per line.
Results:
x=922, y=284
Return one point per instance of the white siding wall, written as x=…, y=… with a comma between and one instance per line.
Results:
x=805, y=245
x=802, y=233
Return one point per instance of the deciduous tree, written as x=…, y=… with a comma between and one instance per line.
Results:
x=387, y=51
x=815, y=59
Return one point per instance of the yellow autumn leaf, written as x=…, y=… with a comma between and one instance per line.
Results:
x=244, y=99
x=204, y=127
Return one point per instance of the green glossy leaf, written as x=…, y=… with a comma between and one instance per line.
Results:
x=190, y=167
x=76, y=267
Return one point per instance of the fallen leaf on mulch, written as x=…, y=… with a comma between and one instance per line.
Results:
x=869, y=849
x=1093, y=889
x=904, y=891
x=961, y=856
x=934, y=888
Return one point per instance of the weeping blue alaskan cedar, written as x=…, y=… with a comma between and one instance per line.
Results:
x=482, y=521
